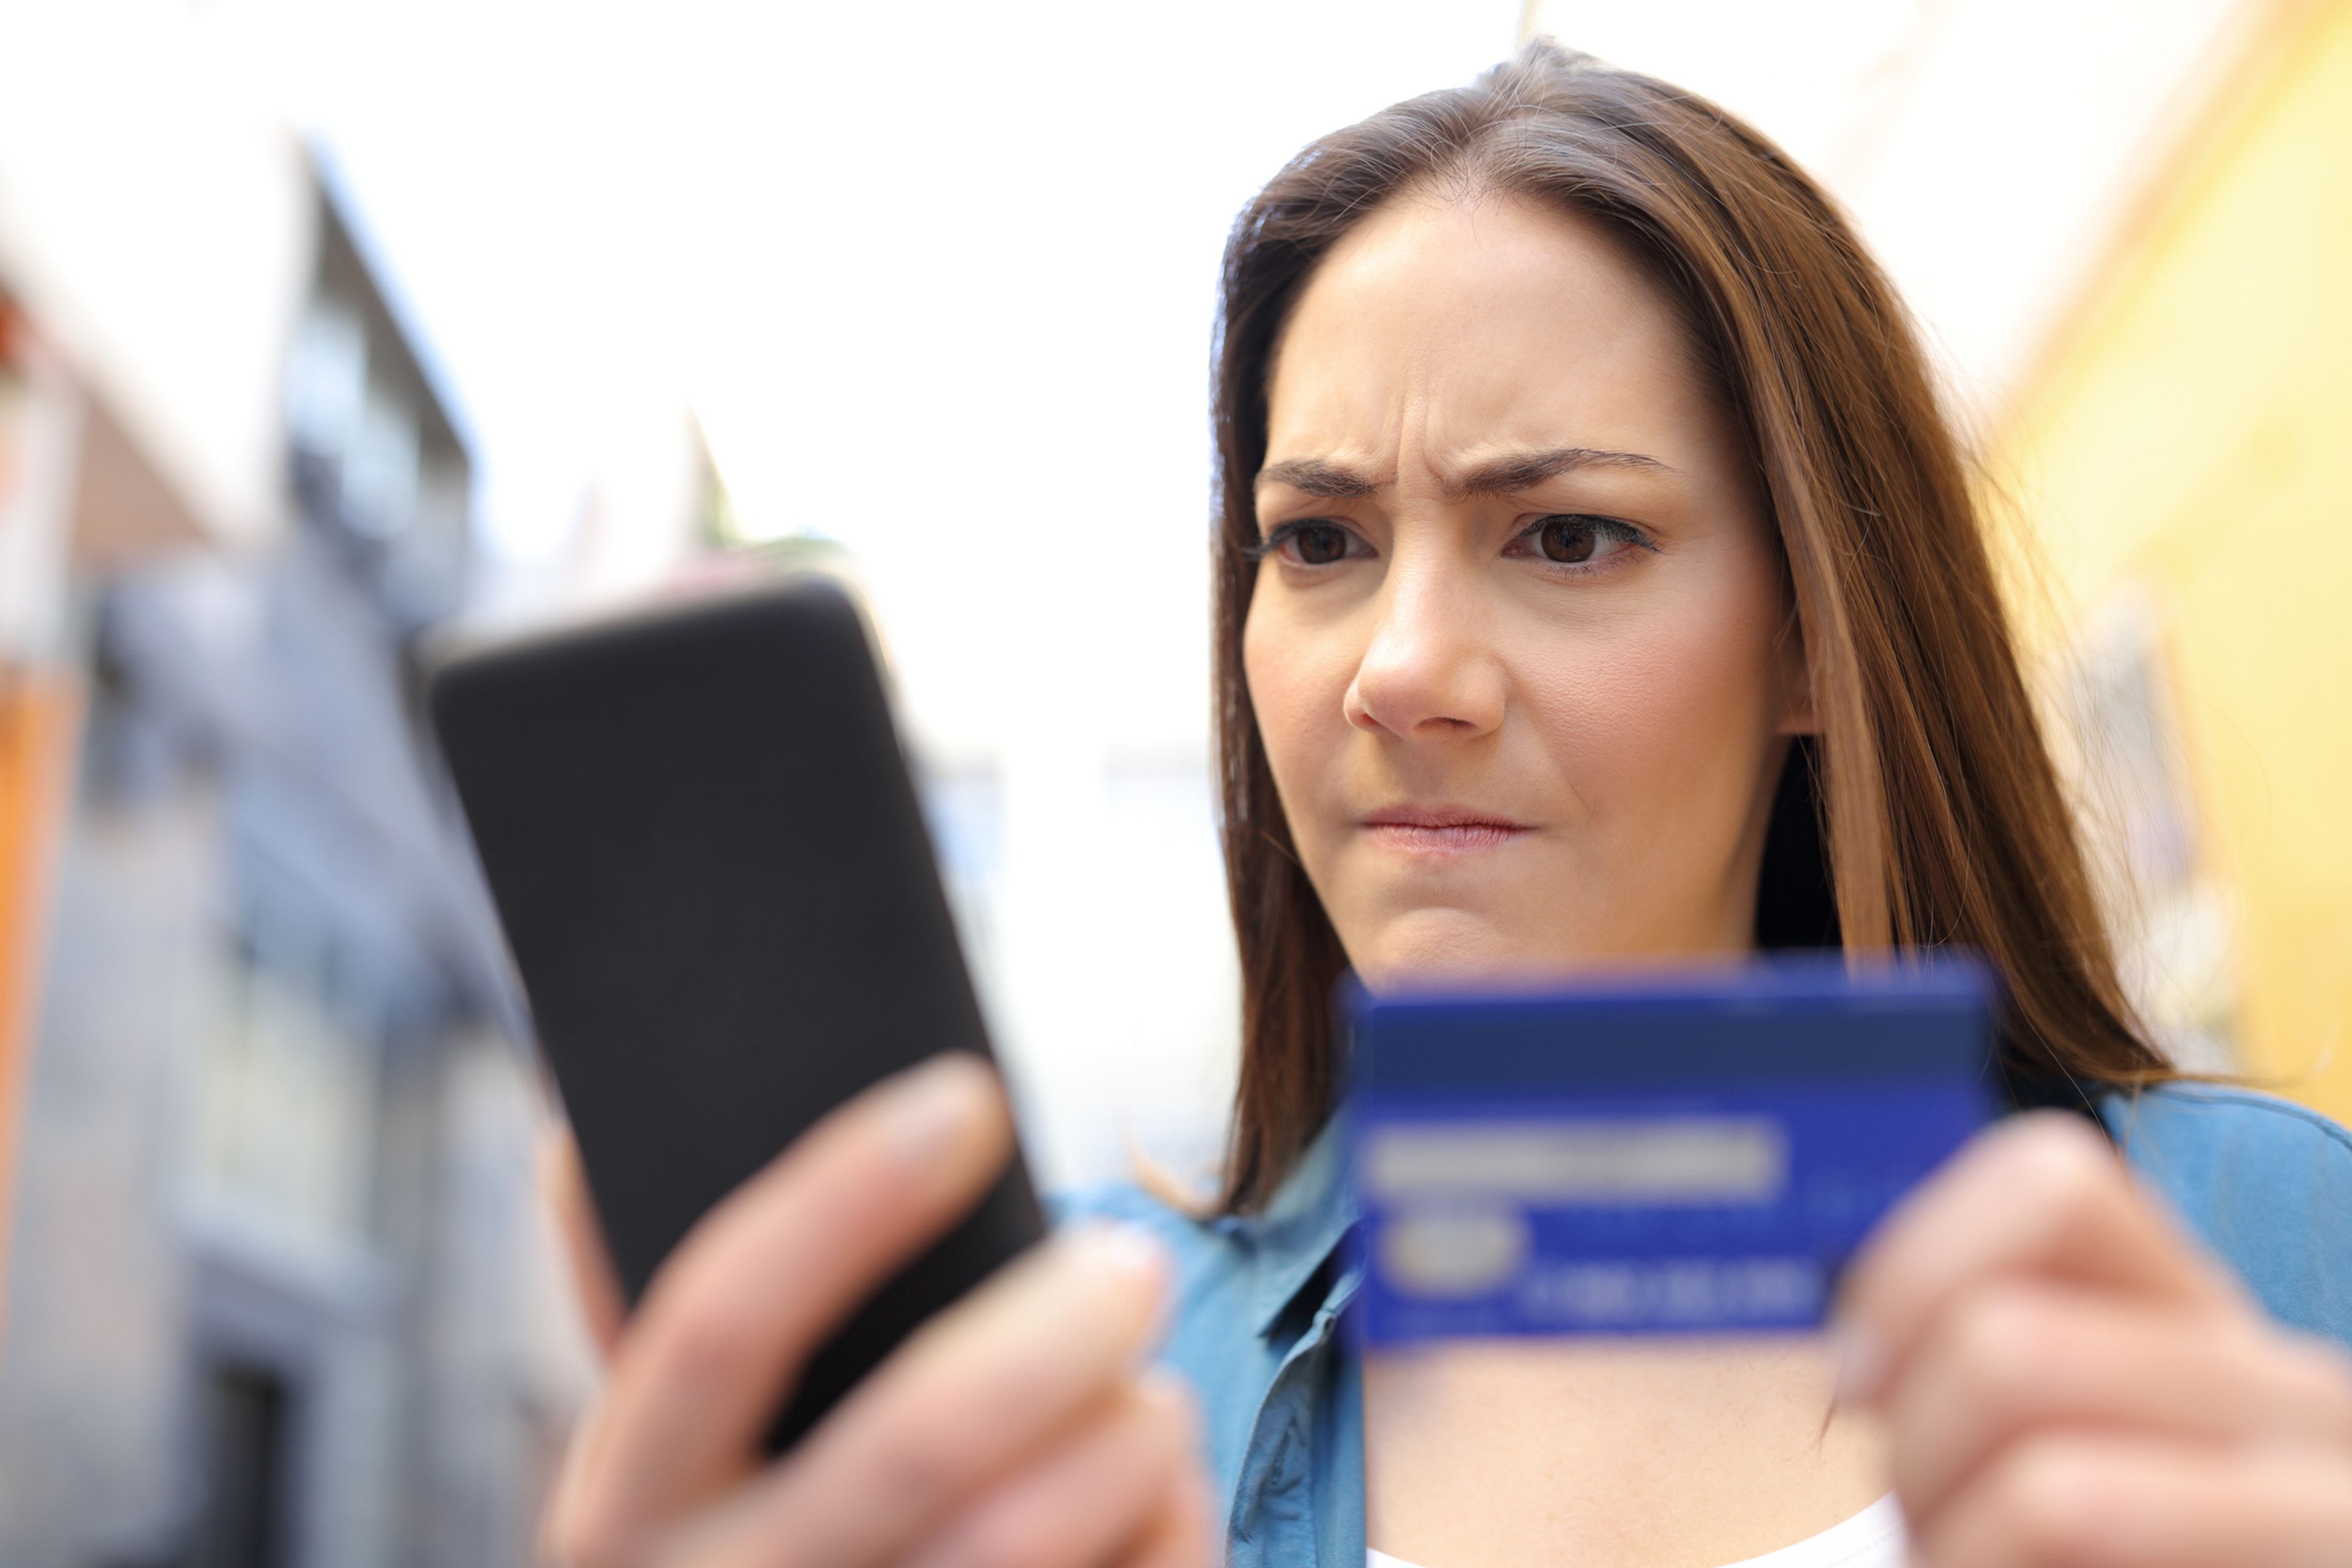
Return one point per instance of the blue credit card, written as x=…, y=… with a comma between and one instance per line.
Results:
x=1699, y=1154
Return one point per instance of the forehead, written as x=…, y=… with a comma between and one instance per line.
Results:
x=1467, y=323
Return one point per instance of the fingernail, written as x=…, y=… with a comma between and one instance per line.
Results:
x=930, y=1108
x=1861, y=1365
x=1130, y=1248
x=1138, y=1258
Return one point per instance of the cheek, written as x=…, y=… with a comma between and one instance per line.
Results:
x=1296, y=685
x=1672, y=715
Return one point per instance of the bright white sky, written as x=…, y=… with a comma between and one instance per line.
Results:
x=938, y=276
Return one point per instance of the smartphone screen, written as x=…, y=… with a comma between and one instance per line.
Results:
x=714, y=876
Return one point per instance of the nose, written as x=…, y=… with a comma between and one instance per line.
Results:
x=1428, y=672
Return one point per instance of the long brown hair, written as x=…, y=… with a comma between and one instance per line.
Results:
x=1928, y=811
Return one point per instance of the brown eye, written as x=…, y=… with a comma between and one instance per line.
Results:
x=1576, y=538
x=1568, y=540
x=1320, y=543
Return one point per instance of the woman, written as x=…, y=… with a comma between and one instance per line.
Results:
x=1597, y=582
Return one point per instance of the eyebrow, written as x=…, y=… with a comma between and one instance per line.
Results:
x=1504, y=474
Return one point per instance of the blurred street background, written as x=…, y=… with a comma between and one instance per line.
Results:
x=331, y=333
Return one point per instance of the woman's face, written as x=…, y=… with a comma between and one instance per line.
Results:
x=1520, y=645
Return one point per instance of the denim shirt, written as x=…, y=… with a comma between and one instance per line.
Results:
x=1257, y=1330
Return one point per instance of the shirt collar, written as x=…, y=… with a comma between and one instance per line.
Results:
x=1302, y=1226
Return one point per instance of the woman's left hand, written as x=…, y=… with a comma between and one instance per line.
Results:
x=2069, y=1380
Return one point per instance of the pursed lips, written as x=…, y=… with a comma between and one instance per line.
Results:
x=1442, y=830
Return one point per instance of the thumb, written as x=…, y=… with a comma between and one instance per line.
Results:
x=563, y=1187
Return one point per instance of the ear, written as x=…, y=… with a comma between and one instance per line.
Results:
x=1792, y=681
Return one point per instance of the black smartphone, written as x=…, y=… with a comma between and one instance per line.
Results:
x=714, y=876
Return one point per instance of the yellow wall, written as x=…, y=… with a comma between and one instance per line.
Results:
x=2192, y=435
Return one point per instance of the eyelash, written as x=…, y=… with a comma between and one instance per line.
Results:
x=1284, y=532
x=1603, y=527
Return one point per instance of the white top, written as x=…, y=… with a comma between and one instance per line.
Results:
x=1871, y=1539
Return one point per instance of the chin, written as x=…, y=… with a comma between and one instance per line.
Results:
x=1445, y=948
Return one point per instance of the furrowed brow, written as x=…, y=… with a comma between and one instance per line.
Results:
x=1524, y=470
x=1315, y=477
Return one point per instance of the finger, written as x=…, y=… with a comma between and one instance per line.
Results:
x=563, y=1188
x=761, y=1280
x=2108, y=1501
x=1103, y=1488
x=1183, y=1533
x=2011, y=1357
x=2041, y=1193
x=975, y=1392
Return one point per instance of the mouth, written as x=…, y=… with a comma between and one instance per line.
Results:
x=1442, y=830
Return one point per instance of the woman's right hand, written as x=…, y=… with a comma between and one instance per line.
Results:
x=1018, y=1426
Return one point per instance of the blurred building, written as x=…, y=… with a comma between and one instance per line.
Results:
x=2180, y=445
x=278, y=1293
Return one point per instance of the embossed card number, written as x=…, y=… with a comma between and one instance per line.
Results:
x=1700, y=1157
